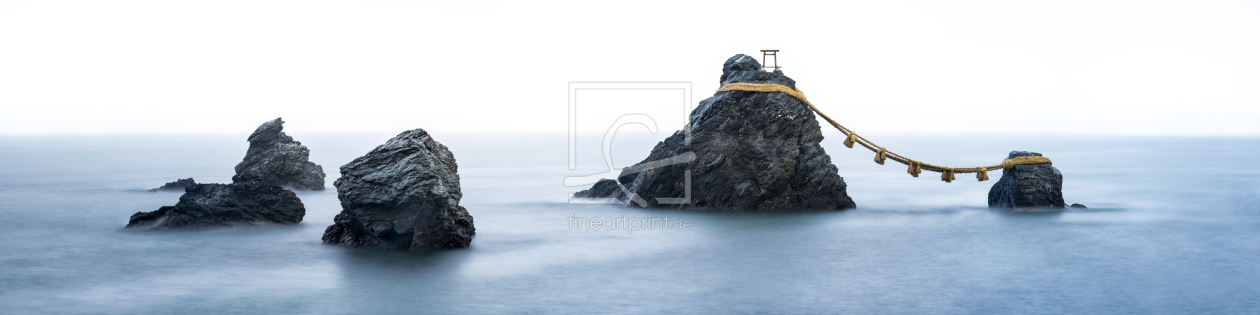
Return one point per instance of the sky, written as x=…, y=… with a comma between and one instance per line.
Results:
x=224, y=67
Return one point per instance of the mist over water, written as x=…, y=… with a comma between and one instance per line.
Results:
x=1172, y=228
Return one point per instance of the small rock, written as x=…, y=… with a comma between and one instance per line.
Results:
x=210, y=205
x=1028, y=185
x=402, y=195
x=178, y=184
x=275, y=159
x=1077, y=205
x=604, y=188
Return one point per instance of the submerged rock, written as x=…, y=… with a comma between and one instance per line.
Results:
x=178, y=184
x=402, y=195
x=750, y=151
x=275, y=159
x=1028, y=186
x=243, y=202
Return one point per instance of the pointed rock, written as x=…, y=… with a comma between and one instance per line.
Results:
x=275, y=159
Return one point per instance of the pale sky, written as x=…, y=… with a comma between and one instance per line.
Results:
x=181, y=67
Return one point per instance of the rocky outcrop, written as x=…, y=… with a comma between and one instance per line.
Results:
x=244, y=202
x=750, y=151
x=178, y=184
x=402, y=195
x=275, y=159
x=604, y=188
x=1028, y=186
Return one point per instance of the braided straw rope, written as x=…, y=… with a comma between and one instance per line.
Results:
x=881, y=153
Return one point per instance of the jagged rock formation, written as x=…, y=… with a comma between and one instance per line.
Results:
x=402, y=195
x=244, y=202
x=275, y=159
x=1028, y=186
x=750, y=151
x=604, y=188
x=178, y=184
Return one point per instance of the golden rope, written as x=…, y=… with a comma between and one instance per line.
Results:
x=916, y=167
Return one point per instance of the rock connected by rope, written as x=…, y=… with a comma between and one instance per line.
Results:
x=881, y=154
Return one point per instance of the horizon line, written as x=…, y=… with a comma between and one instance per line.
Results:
x=663, y=134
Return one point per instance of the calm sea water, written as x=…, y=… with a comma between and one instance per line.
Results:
x=1173, y=227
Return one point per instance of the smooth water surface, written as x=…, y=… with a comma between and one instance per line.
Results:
x=1172, y=228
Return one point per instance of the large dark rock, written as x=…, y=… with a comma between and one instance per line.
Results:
x=275, y=159
x=750, y=151
x=244, y=202
x=402, y=195
x=1028, y=186
x=178, y=184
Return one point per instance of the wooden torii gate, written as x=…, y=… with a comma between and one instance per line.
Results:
x=770, y=52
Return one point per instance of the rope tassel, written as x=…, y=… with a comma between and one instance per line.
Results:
x=947, y=173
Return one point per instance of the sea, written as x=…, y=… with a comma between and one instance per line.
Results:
x=1172, y=227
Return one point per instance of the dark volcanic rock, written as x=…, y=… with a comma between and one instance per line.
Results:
x=605, y=188
x=178, y=184
x=210, y=205
x=402, y=195
x=1028, y=186
x=750, y=151
x=742, y=68
x=1077, y=205
x=275, y=159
